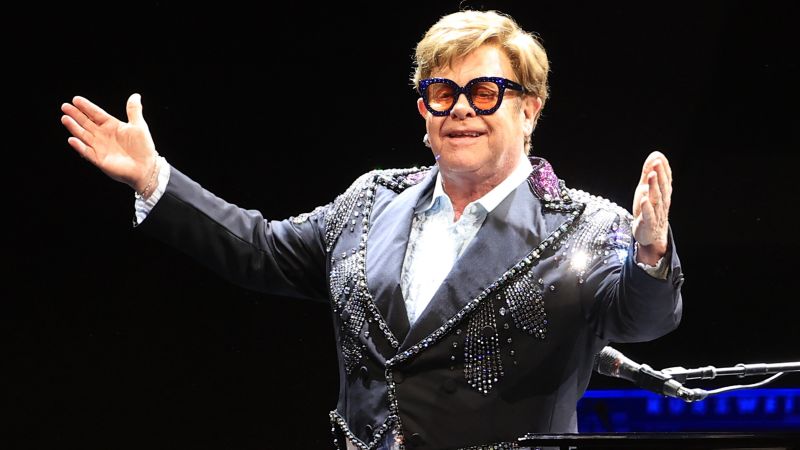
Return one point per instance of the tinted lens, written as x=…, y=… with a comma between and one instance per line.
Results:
x=484, y=94
x=440, y=96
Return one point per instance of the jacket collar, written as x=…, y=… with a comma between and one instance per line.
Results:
x=492, y=198
x=514, y=227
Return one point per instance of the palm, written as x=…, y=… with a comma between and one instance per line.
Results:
x=122, y=150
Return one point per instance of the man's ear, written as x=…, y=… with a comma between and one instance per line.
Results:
x=423, y=111
x=531, y=106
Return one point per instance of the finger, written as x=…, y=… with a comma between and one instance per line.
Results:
x=655, y=155
x=134, y=109
x=648, y=215
x=645, y=171
x=651, y=160
x=647, y=167
x=92, y=111
x=664, y=183
x=77, y=116
x=83, y=149
x=665, y=162
x=662, y=159
x=76, y=130
x=641, y=191
x=654, y=191
x=667, y=168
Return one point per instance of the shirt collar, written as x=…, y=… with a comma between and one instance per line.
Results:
x=491, y=199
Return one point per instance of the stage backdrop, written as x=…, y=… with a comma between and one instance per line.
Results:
x=112, y=340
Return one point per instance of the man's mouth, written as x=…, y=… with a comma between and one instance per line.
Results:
x=464, y=134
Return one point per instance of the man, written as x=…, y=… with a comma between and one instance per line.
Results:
x=469, y=298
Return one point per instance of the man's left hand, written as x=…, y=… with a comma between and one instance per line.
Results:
x=651, y=204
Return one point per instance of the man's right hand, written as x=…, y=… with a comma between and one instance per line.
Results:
x=125, y=151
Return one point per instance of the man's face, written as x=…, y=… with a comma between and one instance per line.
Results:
x=471, y=146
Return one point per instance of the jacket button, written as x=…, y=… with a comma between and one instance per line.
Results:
x=364, y=373
x=398, y=377
x=414, y=441
x=368, y=430
x=450, y=386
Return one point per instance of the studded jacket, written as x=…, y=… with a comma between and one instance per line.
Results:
x=505, y=346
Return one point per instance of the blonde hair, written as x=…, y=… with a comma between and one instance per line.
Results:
x=455, y=35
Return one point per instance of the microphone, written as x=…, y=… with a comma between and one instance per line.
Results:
x=612, y=363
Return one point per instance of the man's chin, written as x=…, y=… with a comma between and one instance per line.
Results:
x=458, y=165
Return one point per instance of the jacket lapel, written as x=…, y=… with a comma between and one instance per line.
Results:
x=386, y=249
x=510, y=232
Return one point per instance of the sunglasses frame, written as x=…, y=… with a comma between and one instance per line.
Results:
x=502, y=84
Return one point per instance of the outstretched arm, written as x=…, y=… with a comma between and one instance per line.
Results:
x=282, y=257
x=124, y=151
x=624, y=302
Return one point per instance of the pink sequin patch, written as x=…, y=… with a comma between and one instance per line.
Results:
x=544, y=180
x=416, y=177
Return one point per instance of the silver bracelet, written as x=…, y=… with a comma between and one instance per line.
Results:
x=144, y=194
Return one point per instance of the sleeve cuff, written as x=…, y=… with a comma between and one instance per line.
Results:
x=660, y=270
x=143, y=207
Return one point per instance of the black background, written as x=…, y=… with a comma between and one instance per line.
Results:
x=112, y=340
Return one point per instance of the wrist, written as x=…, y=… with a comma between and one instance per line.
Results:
x=146, y=186
x=650, y=254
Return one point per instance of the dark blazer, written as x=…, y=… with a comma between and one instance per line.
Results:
x=506, y=345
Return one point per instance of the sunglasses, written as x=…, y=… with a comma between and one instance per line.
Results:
x=484, y=94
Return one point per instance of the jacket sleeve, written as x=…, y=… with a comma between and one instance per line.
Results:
x=623, y=303
x=280, y=257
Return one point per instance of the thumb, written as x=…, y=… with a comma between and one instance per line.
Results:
x=134, y=109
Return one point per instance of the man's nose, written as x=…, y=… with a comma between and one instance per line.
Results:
x=462, y=108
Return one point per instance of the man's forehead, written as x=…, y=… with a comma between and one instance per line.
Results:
x=485, y=61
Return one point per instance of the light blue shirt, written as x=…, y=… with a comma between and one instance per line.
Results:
x=437, y=241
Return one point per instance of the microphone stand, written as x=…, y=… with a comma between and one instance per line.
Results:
x=742, y=370
x=680, y=375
